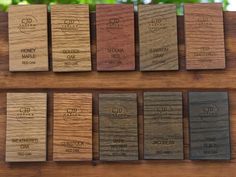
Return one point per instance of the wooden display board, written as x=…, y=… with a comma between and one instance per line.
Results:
x=110, y=82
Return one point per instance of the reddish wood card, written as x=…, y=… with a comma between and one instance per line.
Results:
x=115, y=37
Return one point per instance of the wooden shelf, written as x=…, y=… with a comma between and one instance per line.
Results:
x=135, y=81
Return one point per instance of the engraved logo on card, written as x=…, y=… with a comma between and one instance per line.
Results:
x=27, y=24
x=157, y=24
x=209, y=111
x=163, y=111
x=72, y=114
x=25, y=113
x=70, y=25
x=119, y=112
x=113, y=24
x=203, y=21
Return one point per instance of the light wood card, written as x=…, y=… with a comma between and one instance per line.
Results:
x=70, y=38
x=28, y=38
x=26, y=127
x=72, y=127
x=204, y=36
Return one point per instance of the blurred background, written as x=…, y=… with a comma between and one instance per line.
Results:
x=229, y=5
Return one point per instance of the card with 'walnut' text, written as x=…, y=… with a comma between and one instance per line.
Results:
x=158, y=49
x=118, y=127
x=70, y=38
x=115, y=37
x=204, y=36
x=72, y=127
x=209, y=126
x=26, y=127
x=28, y=38
x=163, y=125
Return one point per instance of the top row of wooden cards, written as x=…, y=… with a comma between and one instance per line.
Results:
x=115, y=37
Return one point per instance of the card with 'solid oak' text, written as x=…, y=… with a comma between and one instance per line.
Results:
x=70, y=38
x=163, y=125
x=158, y=48
x=115, y=37
x=204, y=36
x=118, y=127
x=28, y=38
x=26, y=127
x=72, y=127
x=209, y=126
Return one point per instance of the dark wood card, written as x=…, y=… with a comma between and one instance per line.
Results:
x=209, y=126
x=70, y=38
x=26, y=127
x=115, y=37
x=72, y=127
x=118, y=127
x=163, y=125
x=204, y=36
x=158, y=48
x=28, y=38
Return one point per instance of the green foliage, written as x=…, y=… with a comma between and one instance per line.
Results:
x=5, y=3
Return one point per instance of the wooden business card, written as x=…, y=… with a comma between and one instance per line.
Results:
x=118, y=127
x=28, y=38
x=115, y=37
x=204, y=36
x=158, y=48
x=26, y=127
x=209, y=126
x=70, y=38
x=72, y=128
x=163, y=125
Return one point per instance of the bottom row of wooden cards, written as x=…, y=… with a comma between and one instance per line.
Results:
x=118, y=126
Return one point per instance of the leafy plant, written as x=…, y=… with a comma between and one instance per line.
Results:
x=5, y=3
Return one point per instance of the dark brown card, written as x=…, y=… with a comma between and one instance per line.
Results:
x=204, y=36
x=163, y=125
x=209, y=126
x=118, y=127
x=158, y=37
x=115, y=37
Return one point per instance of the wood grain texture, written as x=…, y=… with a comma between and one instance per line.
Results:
x=70, y=38
x=115, y=37
x=26, y=127
x=118, y=133
x=28, y=38
x=72, y=127
x=204, y=36
x=209, y=126
x=125, y=80
x=97, y=82
x=163, y=125
x=158, y=37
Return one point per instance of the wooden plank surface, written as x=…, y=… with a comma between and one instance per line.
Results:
x=28, y=38
x=118, y=127
x=204, y=36
x=158, y=37
x=209, y=126
x=26, y=127
x=163, y=125
x=70, y=38
x=72, y=127
x=115, y=37
x=97, y=82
